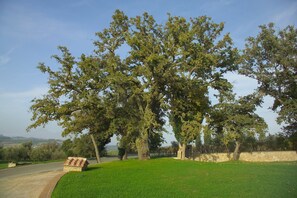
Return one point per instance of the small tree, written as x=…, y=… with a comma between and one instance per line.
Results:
x=236, y=120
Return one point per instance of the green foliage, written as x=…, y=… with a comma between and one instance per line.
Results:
x=11, y=154
x=270, y=58
x=235, y=120
x=121, y=153
x=278, y=142
x=1, y=152
x=17, y=153
x=67, y=147
x=175, y=178
x=271, y=142
x=198, y=58
x=82, y=146
x=167, y=151
x=48, y=151
x=168, y=69
x=155, y=141
x=26, y=152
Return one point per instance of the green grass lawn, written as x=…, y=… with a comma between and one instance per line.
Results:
x=3, y=164
x=175, y=178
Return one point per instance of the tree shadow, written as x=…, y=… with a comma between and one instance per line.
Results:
x=92, y=168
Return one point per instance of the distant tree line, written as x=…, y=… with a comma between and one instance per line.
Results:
x=78, y=146
x=271, y=142
x=167, y=72
x=26, y=152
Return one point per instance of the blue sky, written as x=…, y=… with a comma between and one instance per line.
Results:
x=30, y=32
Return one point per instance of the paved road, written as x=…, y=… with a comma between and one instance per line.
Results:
x=30, y=169
x=41, y=168
x=30, y=180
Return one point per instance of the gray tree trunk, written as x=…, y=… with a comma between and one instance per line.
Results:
x=143, y=147
x=181, y=154
x=96, y=148
x=236, y=153
x=125, y=157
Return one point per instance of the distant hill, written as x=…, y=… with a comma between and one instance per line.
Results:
x=11, y=141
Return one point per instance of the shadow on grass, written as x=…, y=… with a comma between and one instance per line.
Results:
x=161, y=156
x=92, y=168
x=24, y=163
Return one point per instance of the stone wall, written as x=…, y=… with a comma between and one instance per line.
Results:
x=214, y=157
x=11, y=165
x=72, y=168
x=267, y=156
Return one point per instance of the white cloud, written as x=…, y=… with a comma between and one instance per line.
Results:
x=15, y=115
x=216, y=4
x=24, y=23
x=35, y=92
x=5, y=58
x=287, y=16
x=225, y=2
x=81, y=3
x=242, y=84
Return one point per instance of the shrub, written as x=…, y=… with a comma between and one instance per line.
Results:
x=48, y=151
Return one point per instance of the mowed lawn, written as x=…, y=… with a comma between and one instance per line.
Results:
x=175, y=178
x=3, y=164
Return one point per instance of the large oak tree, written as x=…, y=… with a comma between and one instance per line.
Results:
x=271, y=59
x=199, y=56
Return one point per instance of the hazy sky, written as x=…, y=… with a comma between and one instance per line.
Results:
x=30, y=32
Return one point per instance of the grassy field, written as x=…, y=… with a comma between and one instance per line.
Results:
x=3, y=164
x=174, y=178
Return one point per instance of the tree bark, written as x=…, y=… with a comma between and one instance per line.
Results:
x=96, y=148
x=236, y=152
x=143, y=147
x=181, y=154
x=125, y=157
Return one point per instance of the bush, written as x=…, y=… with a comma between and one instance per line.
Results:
x=82, y=146
x=40, y=154
x=49, y=151
x=58, y=154
x=11, y=154
x=17, y=153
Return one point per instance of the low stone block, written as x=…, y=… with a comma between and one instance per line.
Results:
x=77, y=164
x=11, y=165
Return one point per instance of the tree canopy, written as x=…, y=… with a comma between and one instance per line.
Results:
x=235, y=119
x=271, y=59
x=167, y=70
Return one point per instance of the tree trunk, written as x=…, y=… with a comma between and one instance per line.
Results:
x=96, y=148
x=181, y=154
x=143, y=147
x=236, y=153
x=125, y=157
